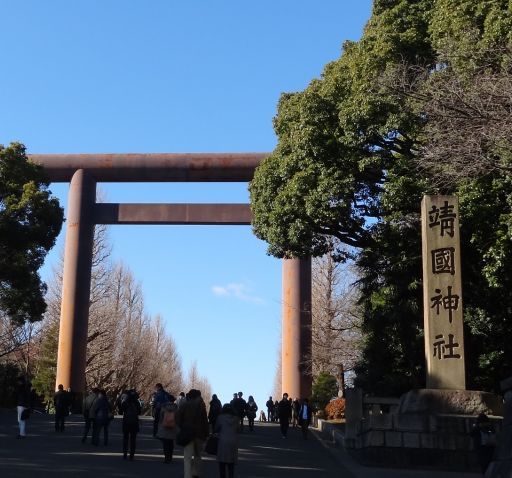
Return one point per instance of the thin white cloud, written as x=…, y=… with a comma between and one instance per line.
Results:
x=236, y=291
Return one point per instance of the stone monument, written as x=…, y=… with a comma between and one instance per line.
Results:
x=442, y=293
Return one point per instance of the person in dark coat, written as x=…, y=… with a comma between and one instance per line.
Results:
x=214, y=411
x=167, y=430
x=227, y=451
x=276, y=406
x=304, y=416
x=102, y=415
x=61, y=404
x=484, y=440
x=192, y=417
x=130, y=409
x=239, y=405
x=160, y=396
x=284, y=413
x=295, y=412
x=23, y=402
x=270, y=409
x=88, y=412
x=250, y=410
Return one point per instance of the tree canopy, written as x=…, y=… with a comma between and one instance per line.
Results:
x=352, y=162
x=30, y=221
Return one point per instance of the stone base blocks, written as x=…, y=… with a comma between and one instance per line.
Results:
x=416, y=436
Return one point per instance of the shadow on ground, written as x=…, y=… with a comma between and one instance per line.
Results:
x=45, y=453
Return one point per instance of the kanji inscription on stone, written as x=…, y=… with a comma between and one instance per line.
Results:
x=442, y=293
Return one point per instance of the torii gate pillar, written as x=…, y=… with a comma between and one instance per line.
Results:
x=76, y=282
x=296, y=328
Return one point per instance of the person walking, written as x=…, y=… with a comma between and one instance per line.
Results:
x=61, y=404
x=295, y=412
x=88, y=412
x=23, y=399
x=160, y=396
x=102, y=415
x=130, y=409
x=193, y=422
x=214, y=411
x=227, y=451
x=167, y=427
x=181, y=399
x=270, y=409
x=250, y=410
x=284, y=412
x=239, y=405
x=305, y=413
x=276, y=406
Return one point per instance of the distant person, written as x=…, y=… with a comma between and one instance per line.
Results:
x=270, y=409
x=88, y=412
x=130, y=409
x=295, y=412
x=484, y=440
x=160, y=396
x=23, y=402
x=305, y=414
x=239, y=405
x=263, y=417
x=168, y=427
x=102, y=415
x=284, y=412
x=61, y=404
x=193, y=420
x=276, y=406
x=71, y=400
x=227, y=451
x=181, y=399
x=250, y=410
x=291, y=406
x=214, y=410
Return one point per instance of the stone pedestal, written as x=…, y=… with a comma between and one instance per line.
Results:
x=456, y=402
x=431, y=429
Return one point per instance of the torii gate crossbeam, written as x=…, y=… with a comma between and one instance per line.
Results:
x=85, y=170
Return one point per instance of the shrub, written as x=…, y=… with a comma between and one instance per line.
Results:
x=325, y=387
x=335, y=409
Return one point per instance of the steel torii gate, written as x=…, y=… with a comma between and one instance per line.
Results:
x=84, y=171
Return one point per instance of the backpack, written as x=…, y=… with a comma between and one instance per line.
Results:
x=130, y=412
x=169, y=419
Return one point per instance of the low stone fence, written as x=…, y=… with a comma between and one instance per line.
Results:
x=379, y=434
x=437, y=441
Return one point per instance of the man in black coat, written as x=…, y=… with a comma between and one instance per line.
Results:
x=284, y=413
x=61, y=404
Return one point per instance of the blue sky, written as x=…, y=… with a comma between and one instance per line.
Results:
x=168, y=76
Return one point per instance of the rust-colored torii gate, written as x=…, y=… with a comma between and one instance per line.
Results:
x=85, y=170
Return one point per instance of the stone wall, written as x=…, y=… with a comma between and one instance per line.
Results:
x=429, y=441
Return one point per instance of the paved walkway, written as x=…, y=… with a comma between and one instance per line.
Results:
x=262, y=454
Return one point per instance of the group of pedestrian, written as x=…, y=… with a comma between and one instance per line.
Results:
x=290, y=412
x=98, y=413
x=244, y=409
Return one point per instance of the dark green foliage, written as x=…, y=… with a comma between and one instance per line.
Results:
x=30, y=220
x=346, y=165
x=46, y=366
x=9, y=374
x=325, y=387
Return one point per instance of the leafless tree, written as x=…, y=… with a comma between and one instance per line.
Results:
x=126, y=348
x=336, y=336
x=199, y=382
x=466, y=114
